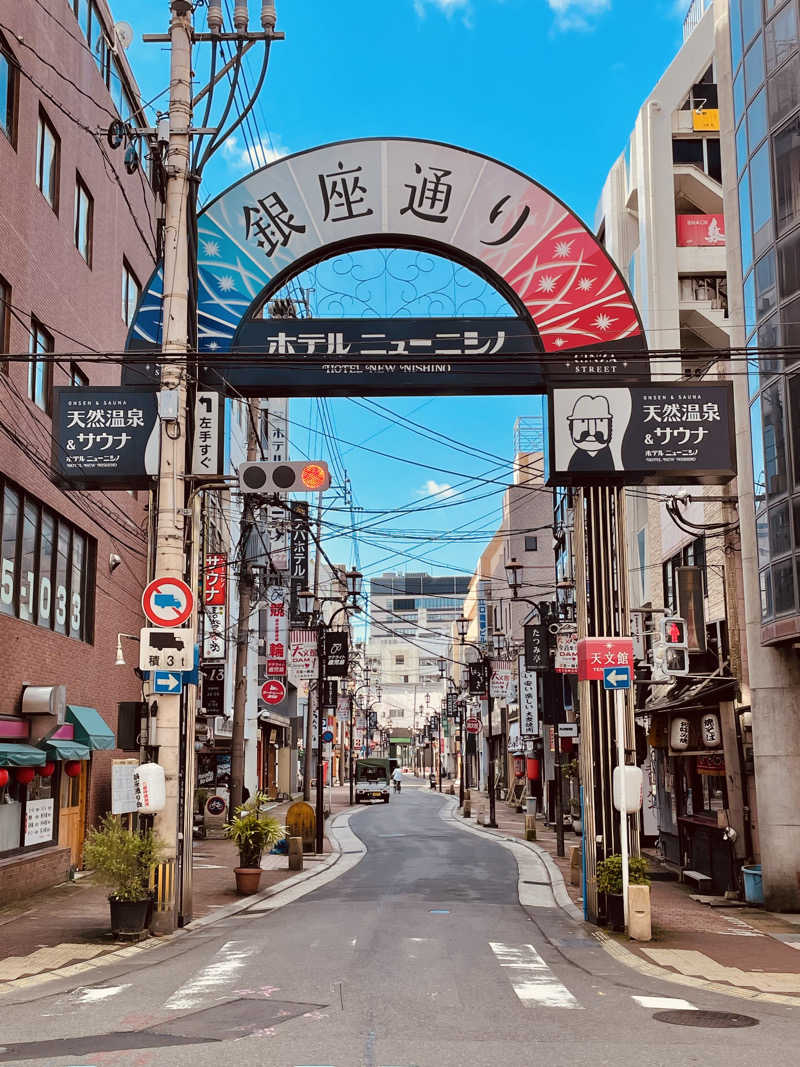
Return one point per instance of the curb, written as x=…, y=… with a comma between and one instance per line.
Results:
x=235, y=908
x=557, y=885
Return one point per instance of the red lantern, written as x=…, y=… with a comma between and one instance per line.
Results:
x=519, y=766
x=3, y=777
x=533, y=768
x=72, y=768
x=24, y=775
x=46, y=770
x=566, y=744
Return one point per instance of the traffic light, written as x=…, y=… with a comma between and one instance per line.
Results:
x=676, y=653
x=310, y=476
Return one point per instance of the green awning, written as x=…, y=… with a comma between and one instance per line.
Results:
x=90, y=728
x=57, y=748
x=399, y=740
x=20, y=755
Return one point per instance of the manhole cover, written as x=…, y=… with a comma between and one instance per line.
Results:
x=720, y=1020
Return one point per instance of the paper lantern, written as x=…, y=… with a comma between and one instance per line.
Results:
x=150, y=782
x=679, y=733
x=712, y=737
x=3, y=777
x=519, y=766
x=24, y=775
x=532, y=768
x=46, y=770
x=72, y=768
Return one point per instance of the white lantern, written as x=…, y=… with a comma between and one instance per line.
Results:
x=679, y=733
x=628, y=785
x=711, y=731
x=151, y=788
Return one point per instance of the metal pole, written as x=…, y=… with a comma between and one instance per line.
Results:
x=350, y=753
x=320, y=678
x=490, y=700
x=439, y=751
x=559, y=797
x=185, y=903
x=169, y=558
x=620, y=697
x=309, y=738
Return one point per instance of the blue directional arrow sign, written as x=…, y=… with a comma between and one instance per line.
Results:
x=167, y=682
x=616, y=677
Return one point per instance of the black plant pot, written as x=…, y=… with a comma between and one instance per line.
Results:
x=128, y=916
x=615, y=911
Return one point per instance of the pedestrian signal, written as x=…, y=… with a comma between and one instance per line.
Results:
x=673, y=631
x=311, y=476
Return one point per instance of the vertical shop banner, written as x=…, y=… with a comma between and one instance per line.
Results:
x=330, y=694
x=528, y=700
x=213, y=691
x=483, y=623
x=334, y=653
x=298, y=560
x=207, y=445
x=343, y=708
x=277, y=639
x=566, y=661
x=537, y=647
x=476, y=678
x=500, y=680
x=214, y=635
x=302, y=655
x=276, y=450
x=215, y=581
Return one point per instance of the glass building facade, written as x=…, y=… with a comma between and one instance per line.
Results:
x=766, y=103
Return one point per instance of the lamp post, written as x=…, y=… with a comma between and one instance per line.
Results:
x=498, y=639
x=312, y=605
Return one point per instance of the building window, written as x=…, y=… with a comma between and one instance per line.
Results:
x=48, y=152
x=702, y=152
x=781, y=37
x=399, y=659
x=84, y=219
x=40, y=371
x=531, y=544
x=5, y=321
x=130, y=293
x=77, y=376
x=47, y=567
x=787, y=168
x=8, y=93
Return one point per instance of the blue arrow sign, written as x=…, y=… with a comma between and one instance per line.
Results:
x=616, y=677
x=167, y=682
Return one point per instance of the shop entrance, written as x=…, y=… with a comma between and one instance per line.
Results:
x=72, y=813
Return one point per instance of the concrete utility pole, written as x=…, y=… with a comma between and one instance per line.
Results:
x=169, y=560
x=309, y=739
x=243, y=622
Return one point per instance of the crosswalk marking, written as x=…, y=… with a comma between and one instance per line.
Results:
x=220, y=973
x=665, y=1003
x=531, y=978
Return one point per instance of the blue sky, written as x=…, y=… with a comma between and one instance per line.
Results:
x=551, y=87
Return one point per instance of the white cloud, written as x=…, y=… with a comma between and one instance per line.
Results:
x=243, y=157
x=448, y=7
x=575, y=14
x=432, y=488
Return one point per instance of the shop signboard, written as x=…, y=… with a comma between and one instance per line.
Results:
x=659, y=434
x=566, y=658
x=476, y=677
x=277, y=630
x=213, y=632
x=38, y=821
x=275, y=424
x=500, y=679
x=105, y=437
x=213, y=681
x=700, y=231
x=334, y=653
x=298, y=560
x=215, y=580
x=595, y=654
x=302, y=655
x=528, y=701
x=208, y=446
x=537, y=648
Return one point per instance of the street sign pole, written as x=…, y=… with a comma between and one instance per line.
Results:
x=620, y=698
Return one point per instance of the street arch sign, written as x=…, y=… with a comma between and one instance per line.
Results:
x=573, y=307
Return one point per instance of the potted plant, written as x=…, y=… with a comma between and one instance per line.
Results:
x=122, y=860
x=609, y=882
x=253, y=832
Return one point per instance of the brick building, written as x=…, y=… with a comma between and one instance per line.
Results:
x=77, y=236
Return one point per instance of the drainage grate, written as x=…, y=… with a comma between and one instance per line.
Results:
x=720, y=1020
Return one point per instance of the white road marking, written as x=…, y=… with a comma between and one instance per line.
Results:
x=93, y=995
x=661, y=1003
x=531, y=978
x=218, y=975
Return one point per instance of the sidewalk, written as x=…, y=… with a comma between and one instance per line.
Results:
x=69, y=923
x=743, y=950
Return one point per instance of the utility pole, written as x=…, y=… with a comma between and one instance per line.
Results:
x=243, y=622
x=309, y=738
x=169, y=558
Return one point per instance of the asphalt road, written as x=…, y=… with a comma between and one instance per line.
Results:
x=421, y=955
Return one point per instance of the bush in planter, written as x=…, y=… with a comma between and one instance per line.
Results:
x=122, y=859
x=609, y=874
x=253, y=831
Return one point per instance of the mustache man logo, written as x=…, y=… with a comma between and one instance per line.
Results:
x=591, y=427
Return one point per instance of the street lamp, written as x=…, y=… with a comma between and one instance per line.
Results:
x=513, y=571
x=498, y=641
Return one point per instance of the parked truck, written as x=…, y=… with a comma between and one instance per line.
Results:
x=372, y=779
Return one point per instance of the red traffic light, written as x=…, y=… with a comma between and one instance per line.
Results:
x=313, y=476
x=675, y=633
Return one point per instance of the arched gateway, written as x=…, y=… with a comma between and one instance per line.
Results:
x=569, y=297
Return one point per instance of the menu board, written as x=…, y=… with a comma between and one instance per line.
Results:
x=38, y=821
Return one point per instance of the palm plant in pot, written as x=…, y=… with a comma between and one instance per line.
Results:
x=609, y=882
x=253, y=832
x=122, y=860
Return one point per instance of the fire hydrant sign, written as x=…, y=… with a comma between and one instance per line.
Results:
x=597, y=653
x=167, y=602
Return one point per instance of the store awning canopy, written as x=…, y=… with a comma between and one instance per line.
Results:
x=20, y=755
x=90, y=728
x=57, y=748
x=697, y=696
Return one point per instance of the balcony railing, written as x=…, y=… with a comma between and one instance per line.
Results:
x=693, y=16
